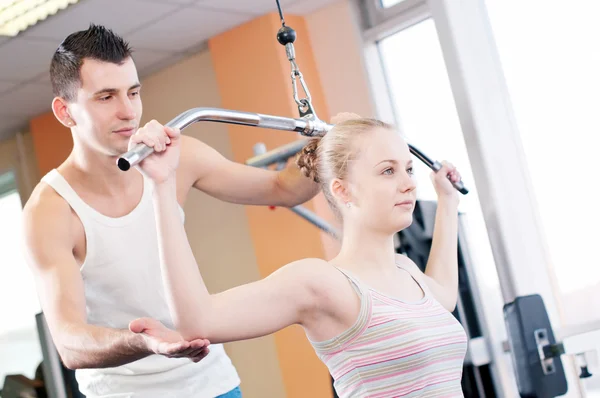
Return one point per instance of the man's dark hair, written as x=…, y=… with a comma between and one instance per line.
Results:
x=97, y=43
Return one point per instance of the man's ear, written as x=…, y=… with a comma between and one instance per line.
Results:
x=61, y=112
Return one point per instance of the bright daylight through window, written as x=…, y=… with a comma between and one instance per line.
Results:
x=426, y=114
x=19, y=337
x=551, y=69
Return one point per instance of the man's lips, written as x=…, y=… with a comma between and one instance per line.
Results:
x=129, y=131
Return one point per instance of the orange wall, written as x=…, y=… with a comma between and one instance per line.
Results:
x=341, y=63
x=51, y=140
x=253, y=74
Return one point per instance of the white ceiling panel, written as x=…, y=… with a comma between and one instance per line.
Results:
x=164, y=63
x=145, y=59
x=255, y=7
x=180, y=2
x=27, y=99
x=122, y=16
x=44, y=77
x=25, y=59
x=184, y=29
x=5, y=86
x=306, y=6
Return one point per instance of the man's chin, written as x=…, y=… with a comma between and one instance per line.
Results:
x=119, y=147
x=117, y=151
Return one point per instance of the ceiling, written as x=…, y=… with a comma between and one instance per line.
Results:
x=161, y=32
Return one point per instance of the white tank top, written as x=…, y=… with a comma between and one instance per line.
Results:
x=122, y=281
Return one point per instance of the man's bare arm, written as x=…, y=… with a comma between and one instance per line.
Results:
x=207, y=170
x=49, y=245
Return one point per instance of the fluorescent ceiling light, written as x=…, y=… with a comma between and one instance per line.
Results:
x=18, y=15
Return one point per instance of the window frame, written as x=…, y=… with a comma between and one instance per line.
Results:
x=377, y=16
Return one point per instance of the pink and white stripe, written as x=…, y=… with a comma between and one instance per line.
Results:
x=397, y=349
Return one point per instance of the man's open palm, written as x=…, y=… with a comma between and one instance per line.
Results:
x=164, y=341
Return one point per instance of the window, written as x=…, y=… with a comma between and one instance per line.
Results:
x=549, y=59
x=551, y=69
x=390, y=3
x=423, y=101
x=386, y=15
x=18, y=332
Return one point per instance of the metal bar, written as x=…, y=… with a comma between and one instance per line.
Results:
x=578, y=329
x=315, y=220
x=583, y=342
x=308, y=126
x=435, y=166
x=51, y=365
x=479, y=354
x=282, y=153
x=263, y=158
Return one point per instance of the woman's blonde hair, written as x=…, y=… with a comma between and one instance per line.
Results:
x=326, y=158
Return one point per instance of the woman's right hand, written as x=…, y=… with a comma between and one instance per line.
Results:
x=161, y=165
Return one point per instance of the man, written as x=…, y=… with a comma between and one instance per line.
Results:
x=91, y=239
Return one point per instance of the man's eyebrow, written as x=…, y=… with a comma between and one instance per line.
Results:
x=114, y=90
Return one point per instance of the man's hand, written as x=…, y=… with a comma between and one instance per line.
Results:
x=164, y=341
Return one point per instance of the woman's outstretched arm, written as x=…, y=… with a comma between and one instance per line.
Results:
x=243, y=312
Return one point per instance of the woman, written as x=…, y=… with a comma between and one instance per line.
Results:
x=382, y=327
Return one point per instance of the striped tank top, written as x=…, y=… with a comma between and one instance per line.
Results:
x=396, y=348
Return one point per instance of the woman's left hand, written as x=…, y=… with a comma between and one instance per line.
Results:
x=442, y=181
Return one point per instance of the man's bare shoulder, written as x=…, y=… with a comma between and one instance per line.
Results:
x=46, y=212
x=44, y=199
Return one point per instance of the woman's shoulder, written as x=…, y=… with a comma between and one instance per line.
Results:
x=323, y=278
x=309, y=269
x=409, y=265
x=334, y=298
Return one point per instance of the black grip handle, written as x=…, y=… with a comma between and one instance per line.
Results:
x=460, y=187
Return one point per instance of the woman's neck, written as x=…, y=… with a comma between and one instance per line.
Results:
x=364, y=250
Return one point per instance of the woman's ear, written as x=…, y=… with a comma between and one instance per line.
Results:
x=340, y=191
